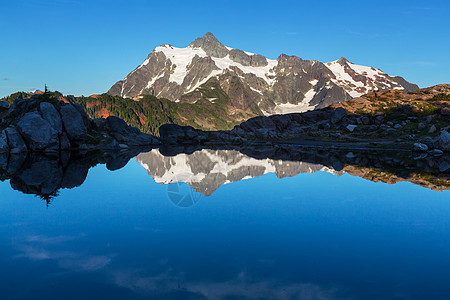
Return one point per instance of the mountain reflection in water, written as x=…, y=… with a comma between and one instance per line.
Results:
x=205, y=170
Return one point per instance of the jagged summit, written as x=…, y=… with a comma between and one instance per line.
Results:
x=211, y=45
x=208, y=70
x=342, y=61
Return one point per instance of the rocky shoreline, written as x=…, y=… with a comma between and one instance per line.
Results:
x=40, y=124
x=326, y=127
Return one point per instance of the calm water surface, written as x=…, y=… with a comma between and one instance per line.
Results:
x=123, y=235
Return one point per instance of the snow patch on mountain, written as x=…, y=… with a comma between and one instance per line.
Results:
x=182, y=57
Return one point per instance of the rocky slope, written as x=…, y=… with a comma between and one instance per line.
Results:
x=208, y=70
x=391, y=119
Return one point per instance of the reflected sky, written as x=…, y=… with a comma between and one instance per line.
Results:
x=311, y=236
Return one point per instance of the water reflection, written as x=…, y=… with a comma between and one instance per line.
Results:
x=205, y=170
x=45, y=174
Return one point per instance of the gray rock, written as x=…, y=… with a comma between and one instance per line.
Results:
x=432, y=129
x=365, y=120
x=64, y=142
x=83, y=113
x=16, y=161
x=445, y=111
x=117, y=125
x=4, y=148
x=421, y=125
x=444, y=140
x=73, y=123
x=337, y=115
x=436, y=152
x=351, y=127
x=397, y=126
x=4, y=104
x=171, y=132
x=420, y=147
x=15, y=141
x=4, y=161
x=51, y=115
x=37, y=132
x=210, y=45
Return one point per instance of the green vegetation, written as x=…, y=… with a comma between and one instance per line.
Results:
x=209, y=111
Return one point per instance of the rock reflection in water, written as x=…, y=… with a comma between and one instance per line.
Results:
x=45, y=174
x=205, y=170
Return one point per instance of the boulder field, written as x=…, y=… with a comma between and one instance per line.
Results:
x=400, y=128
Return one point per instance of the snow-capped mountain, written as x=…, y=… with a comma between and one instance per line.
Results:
x=250, y=81
x=206, y=170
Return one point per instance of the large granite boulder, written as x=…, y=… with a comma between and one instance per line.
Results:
x=4, y=104
x=171, y=133
x=444, y=140
x=15, y=141
x=51, y=115
x=338, y=115
x=37, y=132
x=4, y=147
x=64, y=142
x=73, y=123
x=128, y=135
x=118, y=125
x=256, y=123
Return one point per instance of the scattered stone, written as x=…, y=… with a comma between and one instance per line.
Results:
x=432, y=129
x=445, y=111
x=420, y=147
x=436, y=152
x=350, y=155
x=429, y=118
x=397, y=126
x=421, y=126
x=444, y=140
x=335, y=134
x=366, y=120
x=351, y=127
x=338, y=115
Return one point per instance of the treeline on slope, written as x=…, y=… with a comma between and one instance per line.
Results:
x=149, y=112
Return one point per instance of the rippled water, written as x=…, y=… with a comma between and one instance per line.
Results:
x=198, y=227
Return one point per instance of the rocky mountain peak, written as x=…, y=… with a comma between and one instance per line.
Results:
x=342, y=61
x=211, y=45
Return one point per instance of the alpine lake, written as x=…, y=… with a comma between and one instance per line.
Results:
x=257, y=223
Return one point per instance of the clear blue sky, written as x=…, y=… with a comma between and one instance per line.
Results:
x=83, y=47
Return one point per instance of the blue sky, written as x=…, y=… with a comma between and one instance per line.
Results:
x=84, y=47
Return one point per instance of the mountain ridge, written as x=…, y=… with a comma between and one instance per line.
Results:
x=251, y=81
